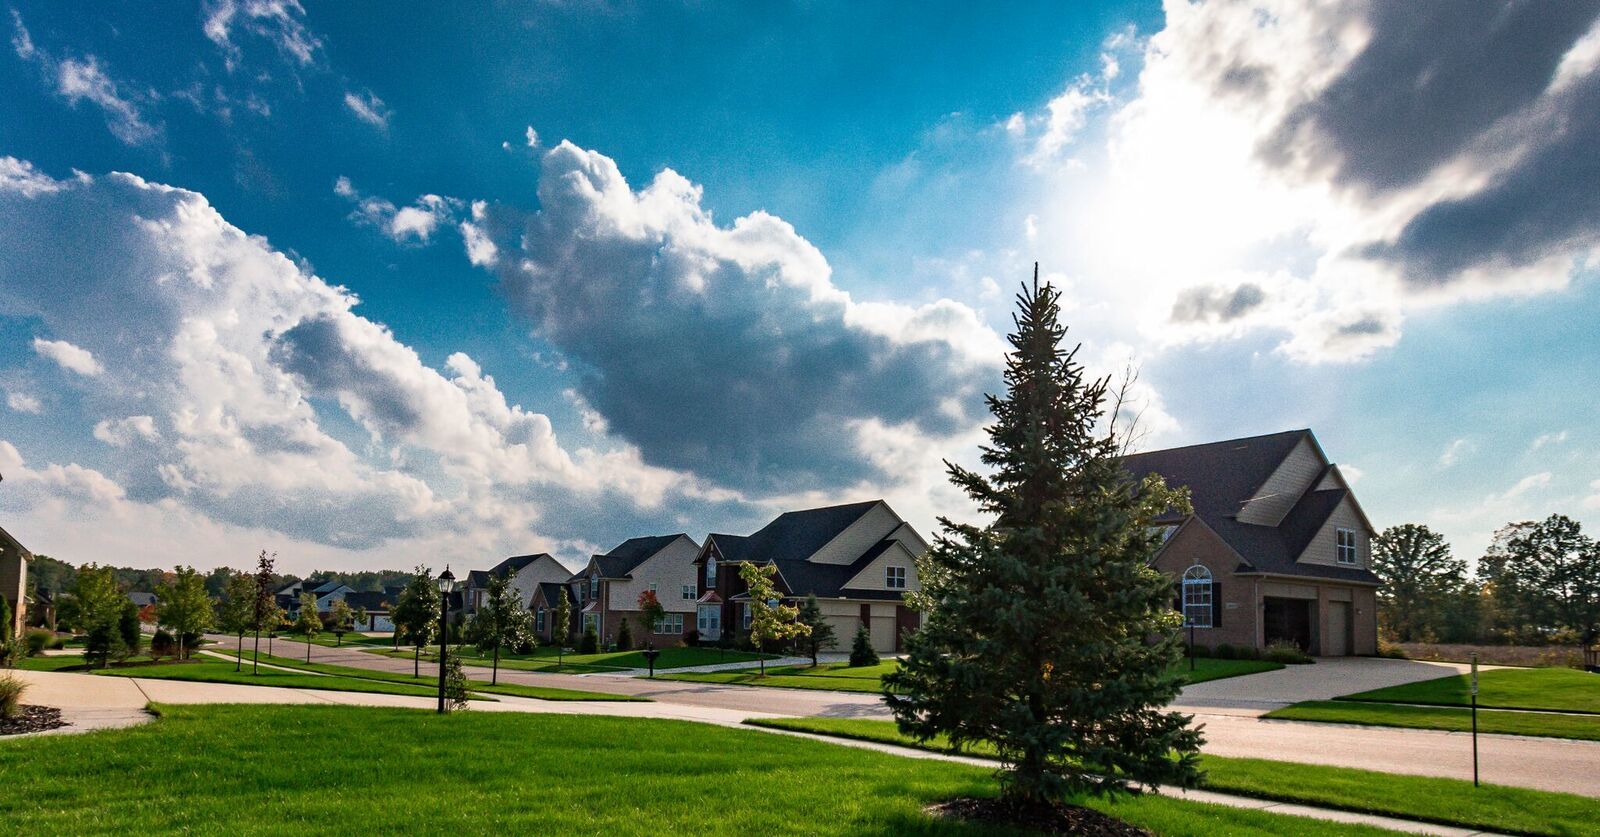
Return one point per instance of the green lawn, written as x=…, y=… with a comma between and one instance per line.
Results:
x=1446, y=801
x=331, y=639
x=1454, y=719
x=545, y=659
x=840, y=677
x=251, y=769
x=1555, y=689
x=213, y=670
x=431, y=681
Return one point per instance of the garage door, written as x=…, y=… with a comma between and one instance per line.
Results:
x=883, y=629
x=1337, y=641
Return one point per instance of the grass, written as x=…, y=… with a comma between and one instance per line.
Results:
x=1501, y=721
x=212, y=670
x=1552, y=689
x=251, y=769
x=431, y=682
x=331, y=640
x=546, y=659
x=1444, y=801
x=841, y=678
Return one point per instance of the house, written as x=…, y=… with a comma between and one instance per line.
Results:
x=607, y=590
x=1277, y=548
x=143, y=599
x=543, y=607
x=376, y=603
x=859, y=560
x=288, y=597
x=526, y=572
x=14, y=558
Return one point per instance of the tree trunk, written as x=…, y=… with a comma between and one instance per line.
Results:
x=416, y=656
x=238, y=657
x=255, y=655
x=494, y=679
x=308, y=648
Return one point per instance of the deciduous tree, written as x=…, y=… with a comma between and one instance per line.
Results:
x=561, y=626
x=339, y=617
x=100, y=604
x=307, y=623
x=236, y=614
x=1420, y=577
x=500, y=621
x=416, y=614
x=770, y=619
x=186, y=608
x=267, y=615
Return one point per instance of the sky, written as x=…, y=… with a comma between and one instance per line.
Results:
x=373, y=286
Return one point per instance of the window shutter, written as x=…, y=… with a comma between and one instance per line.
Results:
x=1177, y=597
x=1216, y=604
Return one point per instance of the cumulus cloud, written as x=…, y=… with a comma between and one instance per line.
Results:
x=84, y=79
x=1547, y=439
x=21, y=402
x=414, y=224
x=21, y=177
x=67, y=356
x=727, y=350
x=218, y=362
x=1336, y=158
x=368, y=108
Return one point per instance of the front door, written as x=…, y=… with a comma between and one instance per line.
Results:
x=708, y=622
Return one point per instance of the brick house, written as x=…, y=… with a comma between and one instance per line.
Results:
x=859, y=560
x=1277, y=547
x=606, y=591
x=14, y=558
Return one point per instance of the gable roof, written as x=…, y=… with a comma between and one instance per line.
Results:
x=795, y=535
x=1223, y=476
x=625, y=556
x=477, y=578
x=516, y=563
x=827, y=581
x=554, y=589
x=10, y=545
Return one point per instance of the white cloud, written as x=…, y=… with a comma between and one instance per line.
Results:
x=368, y=108
x=21, y=177
x=1454, y=451
x=1593, y=500
x=67, y=356
x=1527, y=483
x=84, y=79
x=532, y=137
x=281, y=22
x=122, y=432
x=21, y=402
x=481, y=249
x=413, y=224
x=1546, y=439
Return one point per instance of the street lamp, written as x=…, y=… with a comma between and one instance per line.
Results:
x=447, y=583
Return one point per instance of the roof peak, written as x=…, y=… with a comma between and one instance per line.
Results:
x=1221, y=442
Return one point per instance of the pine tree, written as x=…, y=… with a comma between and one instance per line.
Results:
x=821, y=635
x=128, y=629
x=625, y=636
x=1052, y=638
x=589, y=643
x=861, y=651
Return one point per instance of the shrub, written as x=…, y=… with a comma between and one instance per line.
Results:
x=590, y=643
x=38, y=639
x=1224, y=651
x=692, y=638
x=1200, y=651
x=1284, y=651
x=455, y=684
x=861, y=653
x=12, y=651
x=625, y=637
x=1390, y=650
x=162, y=645
x=11, y=689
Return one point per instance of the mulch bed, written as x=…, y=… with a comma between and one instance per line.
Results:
x=1058, y=819
x=32, y=719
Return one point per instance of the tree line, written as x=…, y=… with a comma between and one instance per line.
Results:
x=1538, y=583
x=57, y=576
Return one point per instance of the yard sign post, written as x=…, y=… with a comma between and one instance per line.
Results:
x=1474, y=691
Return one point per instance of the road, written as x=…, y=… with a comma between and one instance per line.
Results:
x=1227, y=708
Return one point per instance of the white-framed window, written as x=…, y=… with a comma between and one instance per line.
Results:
x=594, y=586
x=1345, y=549
x=894, y=578
x=583, y=592
x=711, y=570
x=591, y=620
x=652, y=587
x=748, y=612
x=688, y=593
x=709, y=620
x=672, y=623
x=538, y=620
x=1197, y=597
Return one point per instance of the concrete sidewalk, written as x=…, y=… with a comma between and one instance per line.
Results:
x=1326, y=679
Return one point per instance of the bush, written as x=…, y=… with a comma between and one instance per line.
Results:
x=1284, y=651
x=162, y=645
x=625, y=636
x=692, y=638
x=861, y=653
x=38, y=639
x=455, y=684
x=1199, y=651
x=1224, y=651
x=11, y=689
x=1390, y=650
x=590, y=643
x=12, y=651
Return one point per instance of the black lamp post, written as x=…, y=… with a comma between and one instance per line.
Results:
x=447, y=583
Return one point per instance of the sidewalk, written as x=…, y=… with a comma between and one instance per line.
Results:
x=744, y=664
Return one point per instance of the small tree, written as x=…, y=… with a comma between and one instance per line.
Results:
x=499, y=622
x=770, y=621
x=339, y=617
x=129, y=630
x=99, y=604
x=236, y=612
x=589, y=643
x=821, y=634
x=455, y=684
x=186, y=608
x=308, y=623
x=861, y=652
x=266, y=614
x=652, y=610
x=361, y=618
x=625, y=636
x=560, y=625
x=416, y=614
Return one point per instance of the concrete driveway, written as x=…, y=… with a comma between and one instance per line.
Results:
x=1328, y=678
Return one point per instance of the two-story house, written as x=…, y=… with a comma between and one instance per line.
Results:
x=1277, y=547
x=607, y=589
x=526, y=572
x=858, y=559
x=327, y=592
x=14, y=558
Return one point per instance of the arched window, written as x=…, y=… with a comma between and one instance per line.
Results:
x=711, y=570
x=1197, y=597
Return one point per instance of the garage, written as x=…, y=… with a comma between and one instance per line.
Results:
x=1287, y=620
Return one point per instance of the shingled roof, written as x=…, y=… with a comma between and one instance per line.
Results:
x=621, y=560
x=515, y=563
x=1223, y=476
x=793, y=536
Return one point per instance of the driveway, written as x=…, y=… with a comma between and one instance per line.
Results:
x=1328, y=678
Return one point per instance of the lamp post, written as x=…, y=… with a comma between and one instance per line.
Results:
x=447, y=583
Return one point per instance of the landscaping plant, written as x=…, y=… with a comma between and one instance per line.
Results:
x=624, y=636
x=11, y=689
x=186, y=608
x=265, y=613
x=770, y=620
x=561, y=626
x=500, y=621
x=128, y=630
x=416, y=614
x=339, y=618
x=589, y=644
x=308, y=623
x=861, y=652
x=1053, y=640
x=236, y=611
x=821, y=634
x=99, y=603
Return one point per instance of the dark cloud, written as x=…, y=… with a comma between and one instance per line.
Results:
x=720, y=350
x=1216, y=305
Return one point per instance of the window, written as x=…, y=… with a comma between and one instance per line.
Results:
x=594, y=586
x=688, y=592
x=748, y=612
x=711, y=570
x=538, y=620
x=672, y=623
x=583, y=592
x=1345, y=549
x=710, y=621
x=1197, y=597
x=895, y=578
x=652, y=587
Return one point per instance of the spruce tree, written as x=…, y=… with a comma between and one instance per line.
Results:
x=861, y=652
x=821, y=635
x=1049, y=635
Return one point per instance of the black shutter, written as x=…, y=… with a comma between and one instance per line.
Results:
x=1216, y=604
x=1177, y=597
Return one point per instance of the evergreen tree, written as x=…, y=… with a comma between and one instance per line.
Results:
x=128, y=629
x=625, y=635
x=416, y=614
x=236, y=615
x=1419, y=577
x=185, y=608
x=861, y=651
x=307, y=623
x=589, y=643
x=770, y=620
x=1052, y=638
x=561, y=625
x=821, y=634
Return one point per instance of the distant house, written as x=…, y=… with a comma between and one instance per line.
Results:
x=327, y=592
x=859, y=560
x=606, y=591
x=143, y=599
x=1277, y=547
x=376, y=603
x=526, y=572
x=543, y=608
x=14, y=558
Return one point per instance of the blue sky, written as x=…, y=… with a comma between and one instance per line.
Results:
x=612, y=268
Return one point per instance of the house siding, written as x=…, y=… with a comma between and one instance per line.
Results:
x=543, y=571
x=848, y=545
x=1323, y=549
x=669, y=569
x=1237, y=604
x=14, y=584
x=872, y=576
x=1276, y=496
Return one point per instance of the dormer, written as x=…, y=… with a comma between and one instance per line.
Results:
x=1272, y=501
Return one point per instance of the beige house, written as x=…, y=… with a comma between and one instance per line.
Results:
x=1277, y=548
x=526, y=572
x=607, y=590
x=859, y=560
x=14, y=558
